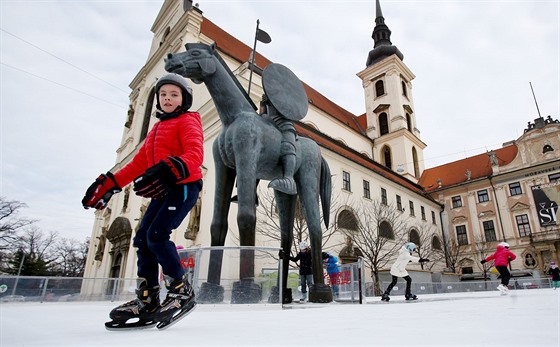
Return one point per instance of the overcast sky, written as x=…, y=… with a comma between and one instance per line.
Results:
x=66, y=65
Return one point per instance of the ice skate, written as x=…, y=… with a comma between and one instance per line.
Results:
x=410, y=297
x=141, y=312
x=503, y=289
x=179, y=302
x=385, y=297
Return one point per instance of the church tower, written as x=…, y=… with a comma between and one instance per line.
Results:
x=391, y=121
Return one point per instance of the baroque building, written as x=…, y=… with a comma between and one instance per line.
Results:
x=506, y=195
x=375, y=156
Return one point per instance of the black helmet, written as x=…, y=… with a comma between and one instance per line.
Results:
x=179, y=81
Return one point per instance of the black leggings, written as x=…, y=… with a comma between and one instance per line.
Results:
x=504, y=273
x=395, y=278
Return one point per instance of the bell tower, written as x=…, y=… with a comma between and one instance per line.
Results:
x=391, y=120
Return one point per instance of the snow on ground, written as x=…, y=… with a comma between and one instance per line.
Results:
x=523, y=318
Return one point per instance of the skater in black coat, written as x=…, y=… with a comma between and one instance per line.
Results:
x=305, y=270
x=554, y=271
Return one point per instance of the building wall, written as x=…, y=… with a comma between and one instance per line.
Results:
x=530, y=167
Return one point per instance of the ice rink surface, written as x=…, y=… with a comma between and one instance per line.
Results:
x=523, y=318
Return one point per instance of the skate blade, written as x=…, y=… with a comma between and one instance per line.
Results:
x=123, y=326
x=174, y=319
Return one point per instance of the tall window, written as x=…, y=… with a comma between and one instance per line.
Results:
x=399, y=203
x=411, y=208
x=489, y=231
x=387, y=157
x=366, y=190
x=434, y=217
x=483, y=195
x=414, y=236
x=461, y=231
x=346, y=181
x=379, y=88
x=515, y=189
x=523, y=225
x=383, y=124
x=404, y=92
x=409, y=122
x=456, y=201
x=147, y=115
x=415, y=161
x=423, y=212
x=383, y=196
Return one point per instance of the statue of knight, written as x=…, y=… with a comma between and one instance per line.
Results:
x=278, y=106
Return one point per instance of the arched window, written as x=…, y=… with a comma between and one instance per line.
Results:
x=347, y=220
x=386, y=231
x=436, y=243
x=409, y=122
x=414, y=236
x=415, y=160
x=386, y=155
x=147, y=114
x=383, y=124
x=379, y=88
x=404, y=89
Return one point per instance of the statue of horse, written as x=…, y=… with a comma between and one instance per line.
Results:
x=248, y=148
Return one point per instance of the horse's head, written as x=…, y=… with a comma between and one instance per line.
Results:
x=197, y=63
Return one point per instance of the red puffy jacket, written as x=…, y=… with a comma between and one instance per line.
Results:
x=502, y=256
x=178, y=137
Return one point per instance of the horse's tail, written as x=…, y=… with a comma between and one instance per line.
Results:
x=325, y=190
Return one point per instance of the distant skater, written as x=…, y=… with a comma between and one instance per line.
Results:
x=554, y=271
x=501, y=258
x=399, y=270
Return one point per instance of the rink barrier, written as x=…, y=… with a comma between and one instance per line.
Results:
x=195, y=261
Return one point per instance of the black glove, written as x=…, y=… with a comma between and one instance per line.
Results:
x=158, y=179
x=100, y=191
x=483, y=261
x=281, y=254
x=423, y=260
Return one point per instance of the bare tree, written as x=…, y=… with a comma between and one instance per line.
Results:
x=455, y=252
x=481, y=251
x=34, y=253
x=70, y=258
x=11, y=224
x=428, y=248
x=268, y=225
x=378, y=231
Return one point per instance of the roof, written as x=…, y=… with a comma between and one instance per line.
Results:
x=236, y=49
x=241, y=52
x=454, y=173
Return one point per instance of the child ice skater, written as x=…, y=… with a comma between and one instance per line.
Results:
x=554, y=272
x=399, y=270
x=501, y=258
x=305, y=270
x=167, y=170
x=333, y=269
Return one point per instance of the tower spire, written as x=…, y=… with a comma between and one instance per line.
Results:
x=381, y=35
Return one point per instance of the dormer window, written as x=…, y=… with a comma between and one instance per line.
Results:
x=547, y=148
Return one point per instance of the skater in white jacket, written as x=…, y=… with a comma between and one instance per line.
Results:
x=399, y=270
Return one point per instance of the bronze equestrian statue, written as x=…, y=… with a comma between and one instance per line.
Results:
x=249, y=148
